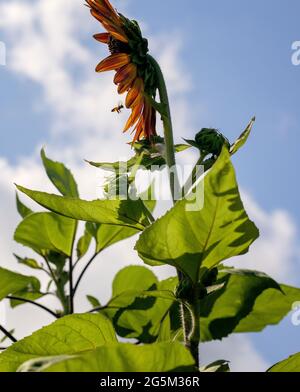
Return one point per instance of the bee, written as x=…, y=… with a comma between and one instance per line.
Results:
x=118, y=108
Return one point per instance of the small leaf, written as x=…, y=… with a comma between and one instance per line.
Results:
x=108, y=235
x=22, y=209
x=216, y=367
x=31, y=263
x=83, y=244
x=12, y=282
x=60, y=176
x=93, y=301
x=127, y=213
x=67, y=336
x=46, y=231
x=243, y=138
x=181, y=147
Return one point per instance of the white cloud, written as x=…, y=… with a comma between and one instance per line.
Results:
x=276, y=252
x=238, y=350
x=45, y=47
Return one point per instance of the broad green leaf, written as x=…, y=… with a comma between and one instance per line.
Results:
x=108, y=235
x=67, y=336
x=269, y=309
x=114, y=212
x=93, y=301
x=133, y=277
x=189, y=239
x=83, y=243
x=243, y=138
x=60, y=176
x=289, y=365
x=46, y=231
x=136, y=314
x=22, y=209
x=222, y=311
x=12, y=282
x=159, y=357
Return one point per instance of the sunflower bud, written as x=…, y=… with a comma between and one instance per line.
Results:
x=211, y=141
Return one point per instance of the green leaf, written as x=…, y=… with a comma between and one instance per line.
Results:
x=22, y=209
x=243, y=138
x=139, y=303
x=46, y=231
x=148, y=198
x=28, y=293
x=222, y=310
x=67, y=336
x=60, y=176
x=114, y=212
x=189, y=239
x=269, y=309
x=289, y=365
x=108, y=235
x=31, y=263
x=181, y=147
x=160, y=357
x=12, y=282
x=93, y=301
x=83, y=243
x=216, y=367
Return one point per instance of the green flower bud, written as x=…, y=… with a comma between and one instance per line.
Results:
x=211, y=141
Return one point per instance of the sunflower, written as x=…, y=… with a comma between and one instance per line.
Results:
x=135, y=74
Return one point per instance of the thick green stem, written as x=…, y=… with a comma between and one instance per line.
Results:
x=190, y=326
x=194, y=337
x=168, y=129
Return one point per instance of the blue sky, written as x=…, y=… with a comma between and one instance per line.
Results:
x=237, y=56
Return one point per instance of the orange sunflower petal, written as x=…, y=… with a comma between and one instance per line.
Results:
x=104, y=8
x=135, y=115
x=128, y=71
x=126, y=84
x=134, y=93
x=102, y=37
x=113, y=62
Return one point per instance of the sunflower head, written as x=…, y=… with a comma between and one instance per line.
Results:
x=128, y=57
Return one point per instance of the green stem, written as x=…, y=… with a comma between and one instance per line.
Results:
x=168, y=129
x=174, y=183
x=8, y=334
x=194, y=337
x=11, y=297
x=59, y=290
x=71, y=291
x=83, y=272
